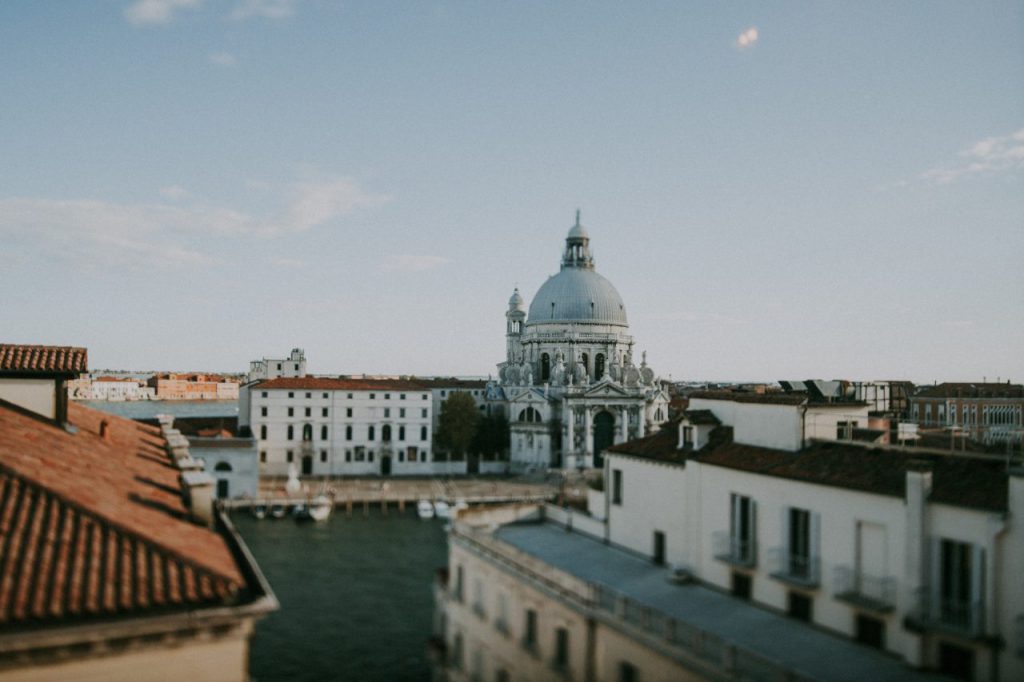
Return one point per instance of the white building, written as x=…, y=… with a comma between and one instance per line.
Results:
x=331, y=427
x=120, y=388
x=905, y=561
x=271, y=368
x=569, y=383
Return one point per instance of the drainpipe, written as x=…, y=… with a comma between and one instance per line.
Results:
x=918, y=489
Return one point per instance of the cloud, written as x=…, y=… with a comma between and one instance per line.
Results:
x=412, y=263
x=747, y=38
x=95, y=233
x=267, y=9
x=156, y=12
x=174, y=192
x=988, y=156
x=225, y=59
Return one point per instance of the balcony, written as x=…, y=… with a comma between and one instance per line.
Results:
x=952, y=616
x=864, y=591
x=735, y=550
x=795, y=569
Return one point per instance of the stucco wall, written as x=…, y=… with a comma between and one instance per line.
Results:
x=33, y=394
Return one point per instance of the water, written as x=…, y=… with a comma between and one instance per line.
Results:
x=356, y=596
x=148, y=409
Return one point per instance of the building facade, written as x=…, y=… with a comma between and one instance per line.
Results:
x=170, y=386
x=271, y=368
x=570, y=383
x=984, y=412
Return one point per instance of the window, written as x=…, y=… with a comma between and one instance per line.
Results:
x=263, y=456
x=659, y=547
x=401, y=413
x=501, y=619
x=423, y=433
x=545, y=367
x=291, y=432
x=424, y=397
x=323, y=455
x=385, y=433
x=529, y=415
x=307, y=432
x=348, y=411
x=323, y=432
x=291, y=394
x=323, y=412
x=402, y=396
x=263, y=432
x=530, y=630
x=800, y=552
x=348, y=433
x=628, y=672
x=291, y=411
x=387, y=396
x=290, y=455
x=264, y=394
x=561, y=648
x=349, y=396
x=424, y=413
x=387, y=412
x=844, y=430
x=687, y=436
x=309, y=411
x=598, y=365
x=325, y=396
x=279, y=365
x=370, y=433
x=309, y=395
x=742, y=585
x=444, y=394
x=348, y=455
x=742, y=517
x=800, y=606
x=263, y=412
x=373, y=396
x=616, y=486
x=401, y=433
x=958, y=574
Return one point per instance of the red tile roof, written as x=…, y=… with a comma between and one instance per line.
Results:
x=95, y=526
x=328, y=384
x=42, y=359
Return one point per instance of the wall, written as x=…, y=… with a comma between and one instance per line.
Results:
x=652, y=499
x=37, y=395
x=770, y=426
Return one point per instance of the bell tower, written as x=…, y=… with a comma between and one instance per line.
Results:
x=515, y=318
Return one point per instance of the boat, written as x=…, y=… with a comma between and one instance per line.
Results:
x=424, y=509
x=460, y=504
x=259, y=510
x=442, y=510
x=320, y=508
x=277, y=511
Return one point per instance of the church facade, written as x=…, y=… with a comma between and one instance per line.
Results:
x=569, y=383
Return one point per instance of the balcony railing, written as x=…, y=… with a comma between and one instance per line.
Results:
x=735, y=550
x=934, y=611
x=864, y=590
x=795, y=569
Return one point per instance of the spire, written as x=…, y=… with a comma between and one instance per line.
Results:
x=577, y=247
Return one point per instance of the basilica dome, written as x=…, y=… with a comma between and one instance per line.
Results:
x=577, y=293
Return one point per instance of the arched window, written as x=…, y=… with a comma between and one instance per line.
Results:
x=598, y=365
x=385, y=433
x=263, y=432
x=307, y=432
x=545, y=367
x=291, y=432
x=323, y=432
x=658, y=416
x=529, y=415
x=401, y=433
x=371, y=433
x=222, y=466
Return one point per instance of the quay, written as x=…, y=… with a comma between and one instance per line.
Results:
x=397, y=493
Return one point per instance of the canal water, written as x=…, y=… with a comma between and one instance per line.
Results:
x=356, y=596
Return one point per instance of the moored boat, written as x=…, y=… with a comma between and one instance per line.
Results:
x=424, y=509
x=277, y=511
x=320, y=508
x=442, y=510
x=259, y=510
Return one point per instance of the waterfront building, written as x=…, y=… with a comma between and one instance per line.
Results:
x=271, y=368
x=115, y=562
x=745, y=541
x=120, y=388
x=984, y=412
x=332, y=427
x=170, y=386
x=569, y=382
x=229, y=456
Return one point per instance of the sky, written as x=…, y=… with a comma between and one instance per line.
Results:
x=781, y=190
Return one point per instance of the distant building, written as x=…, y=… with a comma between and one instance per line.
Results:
x=120, y=388
x=569, y=382
x=230, y=458
x=169, y=386
x=268, y=368
x=745, y=542
x=986, y=412
x=116, y=565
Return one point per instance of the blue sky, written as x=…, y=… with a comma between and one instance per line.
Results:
x=778, y=190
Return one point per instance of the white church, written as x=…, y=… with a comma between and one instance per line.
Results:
x=570, y=384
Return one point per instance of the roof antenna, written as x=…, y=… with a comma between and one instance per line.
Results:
x=577, y=217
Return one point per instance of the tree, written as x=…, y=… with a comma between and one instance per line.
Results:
x=457, y=423
x=492, y=435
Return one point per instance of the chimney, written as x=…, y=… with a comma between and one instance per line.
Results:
x=104, y=429
x=197, y=486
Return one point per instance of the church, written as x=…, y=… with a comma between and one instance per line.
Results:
x=570, y=384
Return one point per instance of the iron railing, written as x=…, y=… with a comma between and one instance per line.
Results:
x=864, y=590
x=948, y=614
x=796, y=569
x=735, y=550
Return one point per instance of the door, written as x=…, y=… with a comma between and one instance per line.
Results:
x=307, y=465
x=385, y=465
x=659, y=547
x=872, y=562
x=604, y=435
x=222, y=488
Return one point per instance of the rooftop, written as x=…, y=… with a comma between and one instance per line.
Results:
x=792, y=398
x=332, y=384
x=797, y=647
x=971, y=390
x=43, y=359
x=94, y=524
x=451, y=382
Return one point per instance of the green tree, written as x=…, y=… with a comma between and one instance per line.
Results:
x=491, y=438
x=457, y=423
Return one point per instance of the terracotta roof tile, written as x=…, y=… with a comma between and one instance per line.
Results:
x=95, y=527
x=42, y=359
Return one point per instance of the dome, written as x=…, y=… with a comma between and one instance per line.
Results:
x=516, y=302
x=577, y=295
